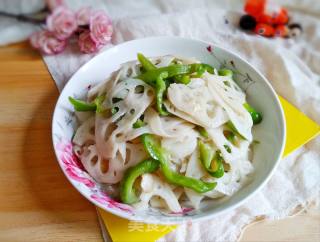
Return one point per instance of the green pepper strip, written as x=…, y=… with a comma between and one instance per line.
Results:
x=156, y=152
x=138, y=124
x=202, y=131
x=98, y=101
x=207, y=158
x=127, y=191
x=208, y=68
x=228, y=148
x=199, y=69
x=114, y=110
x=160, y=84
x=255, y=115
x=151, y=76
x=231, y=126
x=82, y=106
x=173, y=70
x=184, y=79
x=160, y=89
x=230, y=136
x=146, y=63
x=225, y=72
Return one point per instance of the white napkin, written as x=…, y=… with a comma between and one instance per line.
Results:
x=292, y=67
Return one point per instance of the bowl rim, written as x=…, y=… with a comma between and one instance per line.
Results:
x=182, y=219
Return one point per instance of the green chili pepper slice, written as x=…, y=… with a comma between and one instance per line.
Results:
x=228, y=148
x=201, y=67
x=225, y=72
x=230, y=136
x=231, y=126
x=82, y=106
x=127, y=191
x=138, y=124
x=203, y=132
x=227, y=83
x=98, y=101
x=150, y=77
x=208, y=68
x=160, y=89
x=157, y=153
x=146, y=63
x=255, y=115
x=199, y=70
x=173, y=70
x=114, y=110
x=184, y=79
x=211, y=162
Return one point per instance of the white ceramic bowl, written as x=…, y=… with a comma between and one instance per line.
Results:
x=270, y=133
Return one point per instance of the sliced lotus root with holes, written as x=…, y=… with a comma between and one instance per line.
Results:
x=197, y=103
x=111, y=171
x=130, y=108
x=85, y=132
x=166, y=126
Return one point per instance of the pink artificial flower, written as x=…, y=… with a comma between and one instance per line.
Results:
x=62, y=22
x=47, y=42
x=34, y=40
x=87, y=44
x=83, y=15
x=100, y=27
x=52, y=4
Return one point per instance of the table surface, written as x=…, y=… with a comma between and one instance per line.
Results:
x=37, y=201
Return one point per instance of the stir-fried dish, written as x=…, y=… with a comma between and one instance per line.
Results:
x=166, y=132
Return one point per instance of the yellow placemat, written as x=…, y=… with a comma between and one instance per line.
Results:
x=121, y=230
x=300, y=129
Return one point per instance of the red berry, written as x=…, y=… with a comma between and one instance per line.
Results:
x=282, y=31
x=264, y=30
x=281, y=17
x=254, y=7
